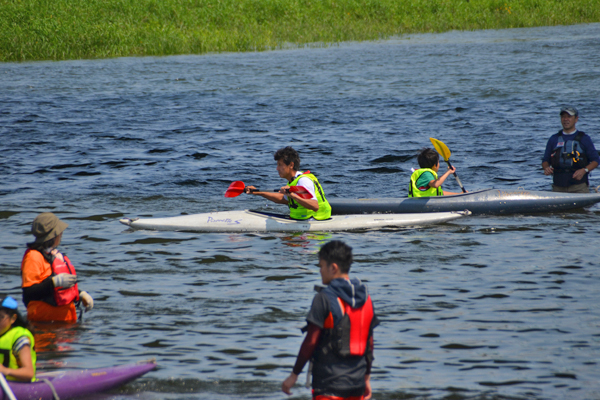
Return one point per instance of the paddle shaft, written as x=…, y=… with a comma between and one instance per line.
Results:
x=238, y=187
x=7, y=390
x=258, y=190
x=444, y=151
x=457, y=179
x=299, y=190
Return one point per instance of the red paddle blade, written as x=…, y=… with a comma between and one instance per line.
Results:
x=301, y=191
x=235, y=189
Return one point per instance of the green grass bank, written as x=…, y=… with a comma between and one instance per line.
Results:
x=73, y=29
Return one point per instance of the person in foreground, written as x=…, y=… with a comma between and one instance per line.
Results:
x=570, y=156
x=424, y=182
x=50, y=289
x=339, y=338
x=17, y=357
x=288, y=165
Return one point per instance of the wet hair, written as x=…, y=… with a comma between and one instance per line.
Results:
x=20, y=321
x=337, y=252
x=428, y=158
x=288, y=155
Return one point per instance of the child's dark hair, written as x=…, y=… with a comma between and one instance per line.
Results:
x=337, y=252
x=428, y=158
x=288, y=155
x=20, y=321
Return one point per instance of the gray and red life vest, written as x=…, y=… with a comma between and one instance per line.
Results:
x=349, y=337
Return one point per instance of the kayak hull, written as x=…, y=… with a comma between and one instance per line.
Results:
x=256, y=221
x=77, y=383
x=489, y=201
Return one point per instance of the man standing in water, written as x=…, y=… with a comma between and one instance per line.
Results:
x=339, y=338
x=288, y=164
x=570, y=156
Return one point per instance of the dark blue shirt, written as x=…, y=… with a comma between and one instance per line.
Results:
x=565, y=178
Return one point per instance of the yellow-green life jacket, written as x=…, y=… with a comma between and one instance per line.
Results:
x=414, y=191
x=7, y=358
x=299, y=212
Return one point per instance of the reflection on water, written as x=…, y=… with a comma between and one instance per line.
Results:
x=483, y=307
x=55, y=337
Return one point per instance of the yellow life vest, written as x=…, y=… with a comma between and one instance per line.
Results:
x=414, y=191
x=299, y=212
x=7, y=358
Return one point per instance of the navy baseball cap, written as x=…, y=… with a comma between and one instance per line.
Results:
x=572, y=111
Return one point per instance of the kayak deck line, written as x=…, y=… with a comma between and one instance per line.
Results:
x=260, y=221
x=481, y=202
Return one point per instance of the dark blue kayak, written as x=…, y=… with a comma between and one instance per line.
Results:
x=489, y=201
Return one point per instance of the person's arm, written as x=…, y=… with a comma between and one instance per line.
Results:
x=25, y=370
x=306, y=350
x=368, y=391
x=446, y=193
x=310, y=204
x=275, y=197
x=550, y=145
x=39, y=291
x=87, y=300
x=436, y=183
x=548, y=170
x=580, y=173
x=592, y=155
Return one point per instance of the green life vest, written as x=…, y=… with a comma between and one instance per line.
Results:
x=7, y=358
x=299, y=212
x=414, y=191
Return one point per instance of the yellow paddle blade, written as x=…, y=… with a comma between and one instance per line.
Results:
x=441, y=148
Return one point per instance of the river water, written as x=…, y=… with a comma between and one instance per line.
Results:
x=481, y=308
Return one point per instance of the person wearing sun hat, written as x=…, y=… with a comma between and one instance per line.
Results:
x=570, y=155
x=50, y=289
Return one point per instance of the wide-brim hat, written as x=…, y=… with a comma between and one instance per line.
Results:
x=47, y=226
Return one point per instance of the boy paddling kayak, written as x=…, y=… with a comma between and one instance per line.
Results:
x=301, y=207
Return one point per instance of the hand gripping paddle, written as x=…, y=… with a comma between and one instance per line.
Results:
x=444, y=151
x=238, y=187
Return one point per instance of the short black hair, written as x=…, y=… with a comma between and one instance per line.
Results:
x=428, y=158
x=337, y=252
x=288, y=155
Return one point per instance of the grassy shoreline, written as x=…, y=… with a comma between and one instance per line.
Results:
x=75, y=29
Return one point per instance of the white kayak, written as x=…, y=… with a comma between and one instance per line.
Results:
x=257, y=221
